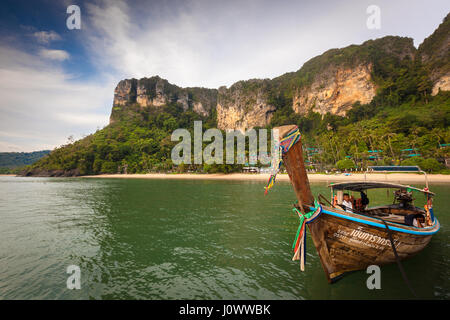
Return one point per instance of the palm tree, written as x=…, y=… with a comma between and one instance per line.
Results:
x=390, y=135
x=355, y=137
x=415, y=135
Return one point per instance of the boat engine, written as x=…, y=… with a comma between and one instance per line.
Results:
x=404, y=198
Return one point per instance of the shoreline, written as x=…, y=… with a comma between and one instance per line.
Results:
x=315, y=177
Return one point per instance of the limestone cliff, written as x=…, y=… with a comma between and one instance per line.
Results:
x=151, y=93
x=125, y=92
x=442, y=83
x=336, y=90
x=244, y=105
x=335, y=80
x=156, y=92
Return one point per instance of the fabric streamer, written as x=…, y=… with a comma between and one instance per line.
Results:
x=283, y=146
x=299, y=244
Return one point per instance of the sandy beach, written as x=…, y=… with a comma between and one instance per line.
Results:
x=392, y=177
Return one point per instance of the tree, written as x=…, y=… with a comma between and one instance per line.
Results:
x=428, y=165
x=345, y=164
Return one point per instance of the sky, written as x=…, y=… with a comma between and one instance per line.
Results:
x=57, y=82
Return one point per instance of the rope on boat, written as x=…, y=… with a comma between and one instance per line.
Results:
x=299, y=244
x=397, y=258
x=283, y=147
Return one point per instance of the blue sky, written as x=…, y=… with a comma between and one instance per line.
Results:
x=56, y=82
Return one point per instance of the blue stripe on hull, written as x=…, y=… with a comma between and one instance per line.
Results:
x=381, y=225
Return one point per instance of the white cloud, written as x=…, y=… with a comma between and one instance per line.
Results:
x=45, y=37
x=41, y=105
x=9, y=147
x=89, y=119
x=214, y=43
x=59, y=55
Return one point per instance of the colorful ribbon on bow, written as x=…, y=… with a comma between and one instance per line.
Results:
x=283, y=146
x=299, y=244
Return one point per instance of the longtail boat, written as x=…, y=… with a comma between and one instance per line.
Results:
x=350, y=239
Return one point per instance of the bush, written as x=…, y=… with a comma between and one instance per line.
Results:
x=431, y=165
x=109, y=167
x=428, y=165
x=345, y=164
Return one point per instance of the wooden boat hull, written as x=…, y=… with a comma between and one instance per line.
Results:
x=347, y=242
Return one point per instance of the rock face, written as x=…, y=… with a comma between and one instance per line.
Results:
x=335, y=80
x=155, y=92
x=145, y=92
x=123, y=93
x=336, y=90
x=147, y=97
x=441, y=84
x=198, y=107
x=244, y=105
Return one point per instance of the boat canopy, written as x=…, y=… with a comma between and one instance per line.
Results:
x=364, y=185
x=391, y=169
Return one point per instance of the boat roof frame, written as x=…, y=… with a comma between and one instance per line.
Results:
x=365, y=185
x=378, y=169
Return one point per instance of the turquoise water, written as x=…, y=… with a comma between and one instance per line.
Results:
x=179, y=239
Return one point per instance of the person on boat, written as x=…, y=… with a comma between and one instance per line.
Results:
x=347, y=203
x=415, y=220
x=364, y=199
x=360, y=204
